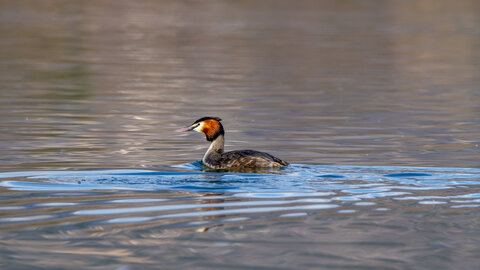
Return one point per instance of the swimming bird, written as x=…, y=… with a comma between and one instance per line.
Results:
x=216, y=158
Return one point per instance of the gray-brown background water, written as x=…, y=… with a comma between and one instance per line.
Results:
x=104, y=84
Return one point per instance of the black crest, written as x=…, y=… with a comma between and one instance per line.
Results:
x=206, y=118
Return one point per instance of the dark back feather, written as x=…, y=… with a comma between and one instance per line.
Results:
x=250, y=158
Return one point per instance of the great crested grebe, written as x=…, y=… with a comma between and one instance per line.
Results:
x=216, y=158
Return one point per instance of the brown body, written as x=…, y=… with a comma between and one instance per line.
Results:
x=216, y=158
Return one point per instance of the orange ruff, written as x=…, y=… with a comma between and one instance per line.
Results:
x=210, y=126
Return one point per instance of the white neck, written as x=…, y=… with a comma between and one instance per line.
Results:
x=216, y=148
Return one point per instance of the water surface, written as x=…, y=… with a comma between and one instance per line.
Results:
x=375, y=103
x=321, y=216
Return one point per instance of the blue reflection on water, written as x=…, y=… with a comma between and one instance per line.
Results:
x=353, y=180
x=295, y=190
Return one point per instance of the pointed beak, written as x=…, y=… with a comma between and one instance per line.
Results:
x=185, y=129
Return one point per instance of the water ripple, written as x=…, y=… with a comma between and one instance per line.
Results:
x=235, y=197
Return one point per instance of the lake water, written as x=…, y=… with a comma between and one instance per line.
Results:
x=375, y=103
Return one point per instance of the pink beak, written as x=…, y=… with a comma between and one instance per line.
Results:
x=185, y=129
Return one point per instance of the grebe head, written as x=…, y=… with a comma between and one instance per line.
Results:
x=210, y=126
